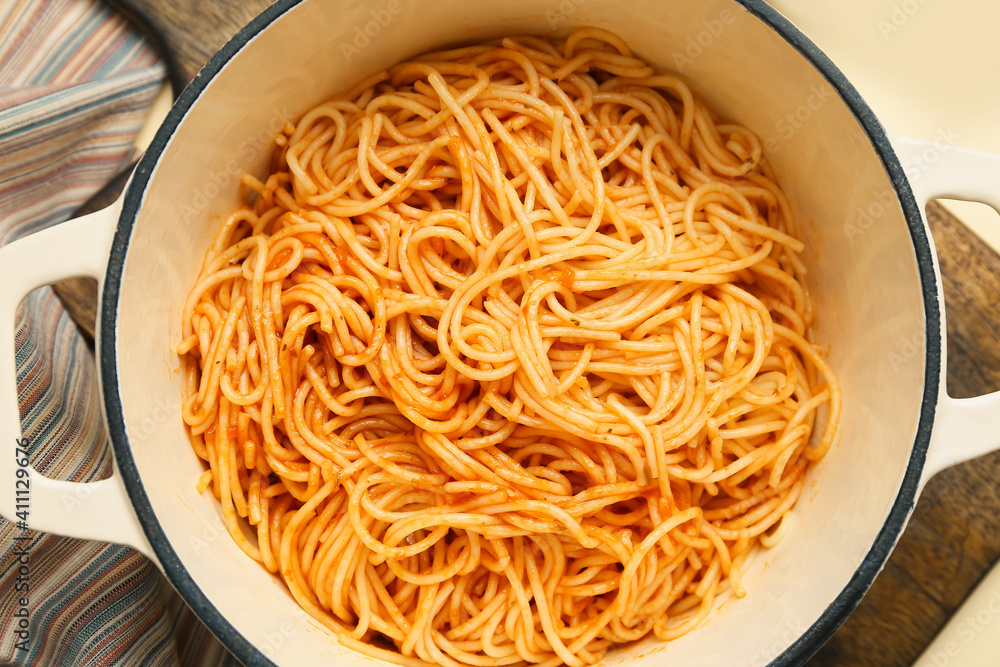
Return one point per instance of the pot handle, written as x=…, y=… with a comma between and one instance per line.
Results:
x=964, y=428
x=98, y=510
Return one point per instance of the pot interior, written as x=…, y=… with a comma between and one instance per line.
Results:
x=860, y=254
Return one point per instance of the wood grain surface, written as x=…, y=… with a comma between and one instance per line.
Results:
x=954, y=535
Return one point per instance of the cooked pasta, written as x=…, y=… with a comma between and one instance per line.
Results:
x=509, y=360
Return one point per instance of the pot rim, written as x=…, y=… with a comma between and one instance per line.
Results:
x=835, y=614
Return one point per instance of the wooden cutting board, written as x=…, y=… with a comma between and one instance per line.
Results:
x=954, y=535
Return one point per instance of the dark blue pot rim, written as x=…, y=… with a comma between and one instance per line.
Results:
x=812, y=639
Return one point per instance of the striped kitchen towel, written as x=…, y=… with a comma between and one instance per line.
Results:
x=75, y=83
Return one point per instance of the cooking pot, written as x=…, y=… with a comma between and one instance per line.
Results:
x=858, y=189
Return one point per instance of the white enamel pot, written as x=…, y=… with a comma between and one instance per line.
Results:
x=859, y=191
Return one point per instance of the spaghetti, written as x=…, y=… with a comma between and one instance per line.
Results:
x=508, y=361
